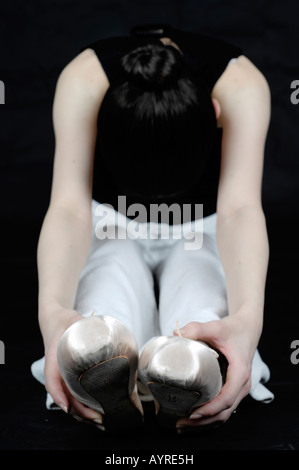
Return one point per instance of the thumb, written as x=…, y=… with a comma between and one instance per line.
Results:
x=198, y=331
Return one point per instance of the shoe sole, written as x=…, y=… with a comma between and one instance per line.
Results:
x=108, y=383
x=174, y=402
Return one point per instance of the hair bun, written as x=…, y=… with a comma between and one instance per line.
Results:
x=153, y=66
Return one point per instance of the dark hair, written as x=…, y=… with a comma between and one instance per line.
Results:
x=158, y=125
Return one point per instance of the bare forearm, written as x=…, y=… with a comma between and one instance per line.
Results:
x=243, y=246
x=62, y=251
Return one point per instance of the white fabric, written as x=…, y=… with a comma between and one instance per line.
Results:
x=118, y=280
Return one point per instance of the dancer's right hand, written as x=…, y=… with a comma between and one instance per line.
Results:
x=54, y=384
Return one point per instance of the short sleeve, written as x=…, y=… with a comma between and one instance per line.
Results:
x=207, y=56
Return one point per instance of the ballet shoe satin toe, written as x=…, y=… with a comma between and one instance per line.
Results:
x=181, y=374
x=98, y=360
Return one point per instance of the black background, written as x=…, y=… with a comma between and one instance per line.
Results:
x=37, y=39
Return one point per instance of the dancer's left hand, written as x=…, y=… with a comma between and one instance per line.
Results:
x=231, y=337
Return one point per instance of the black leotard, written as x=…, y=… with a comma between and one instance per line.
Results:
x=208, y=57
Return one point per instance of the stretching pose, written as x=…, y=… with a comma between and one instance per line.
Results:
x=158, y=117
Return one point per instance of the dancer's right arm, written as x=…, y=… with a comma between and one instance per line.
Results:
x=65, y=236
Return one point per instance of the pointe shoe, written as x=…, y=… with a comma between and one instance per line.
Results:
x=181, y=374
x=98, y=360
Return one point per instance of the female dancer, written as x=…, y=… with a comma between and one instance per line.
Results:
x=159, y=117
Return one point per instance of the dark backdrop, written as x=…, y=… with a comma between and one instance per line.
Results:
x=37, y=39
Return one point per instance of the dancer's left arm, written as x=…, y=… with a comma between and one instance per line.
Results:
x=243, y=96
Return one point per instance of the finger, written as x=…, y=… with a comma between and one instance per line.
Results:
x=215, y=421
x=88, y=422
x=56, y=388
x=219, y=418
x=62, y=396
x=210, y=421
x=80, y=410
x=199, y=331
x=236, y=387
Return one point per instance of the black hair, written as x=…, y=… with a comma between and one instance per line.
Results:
x=157, y=126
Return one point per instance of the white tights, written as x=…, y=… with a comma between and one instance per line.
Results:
x=118, y=279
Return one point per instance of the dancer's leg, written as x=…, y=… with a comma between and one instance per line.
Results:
x=191, y=284
x=117, y=282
